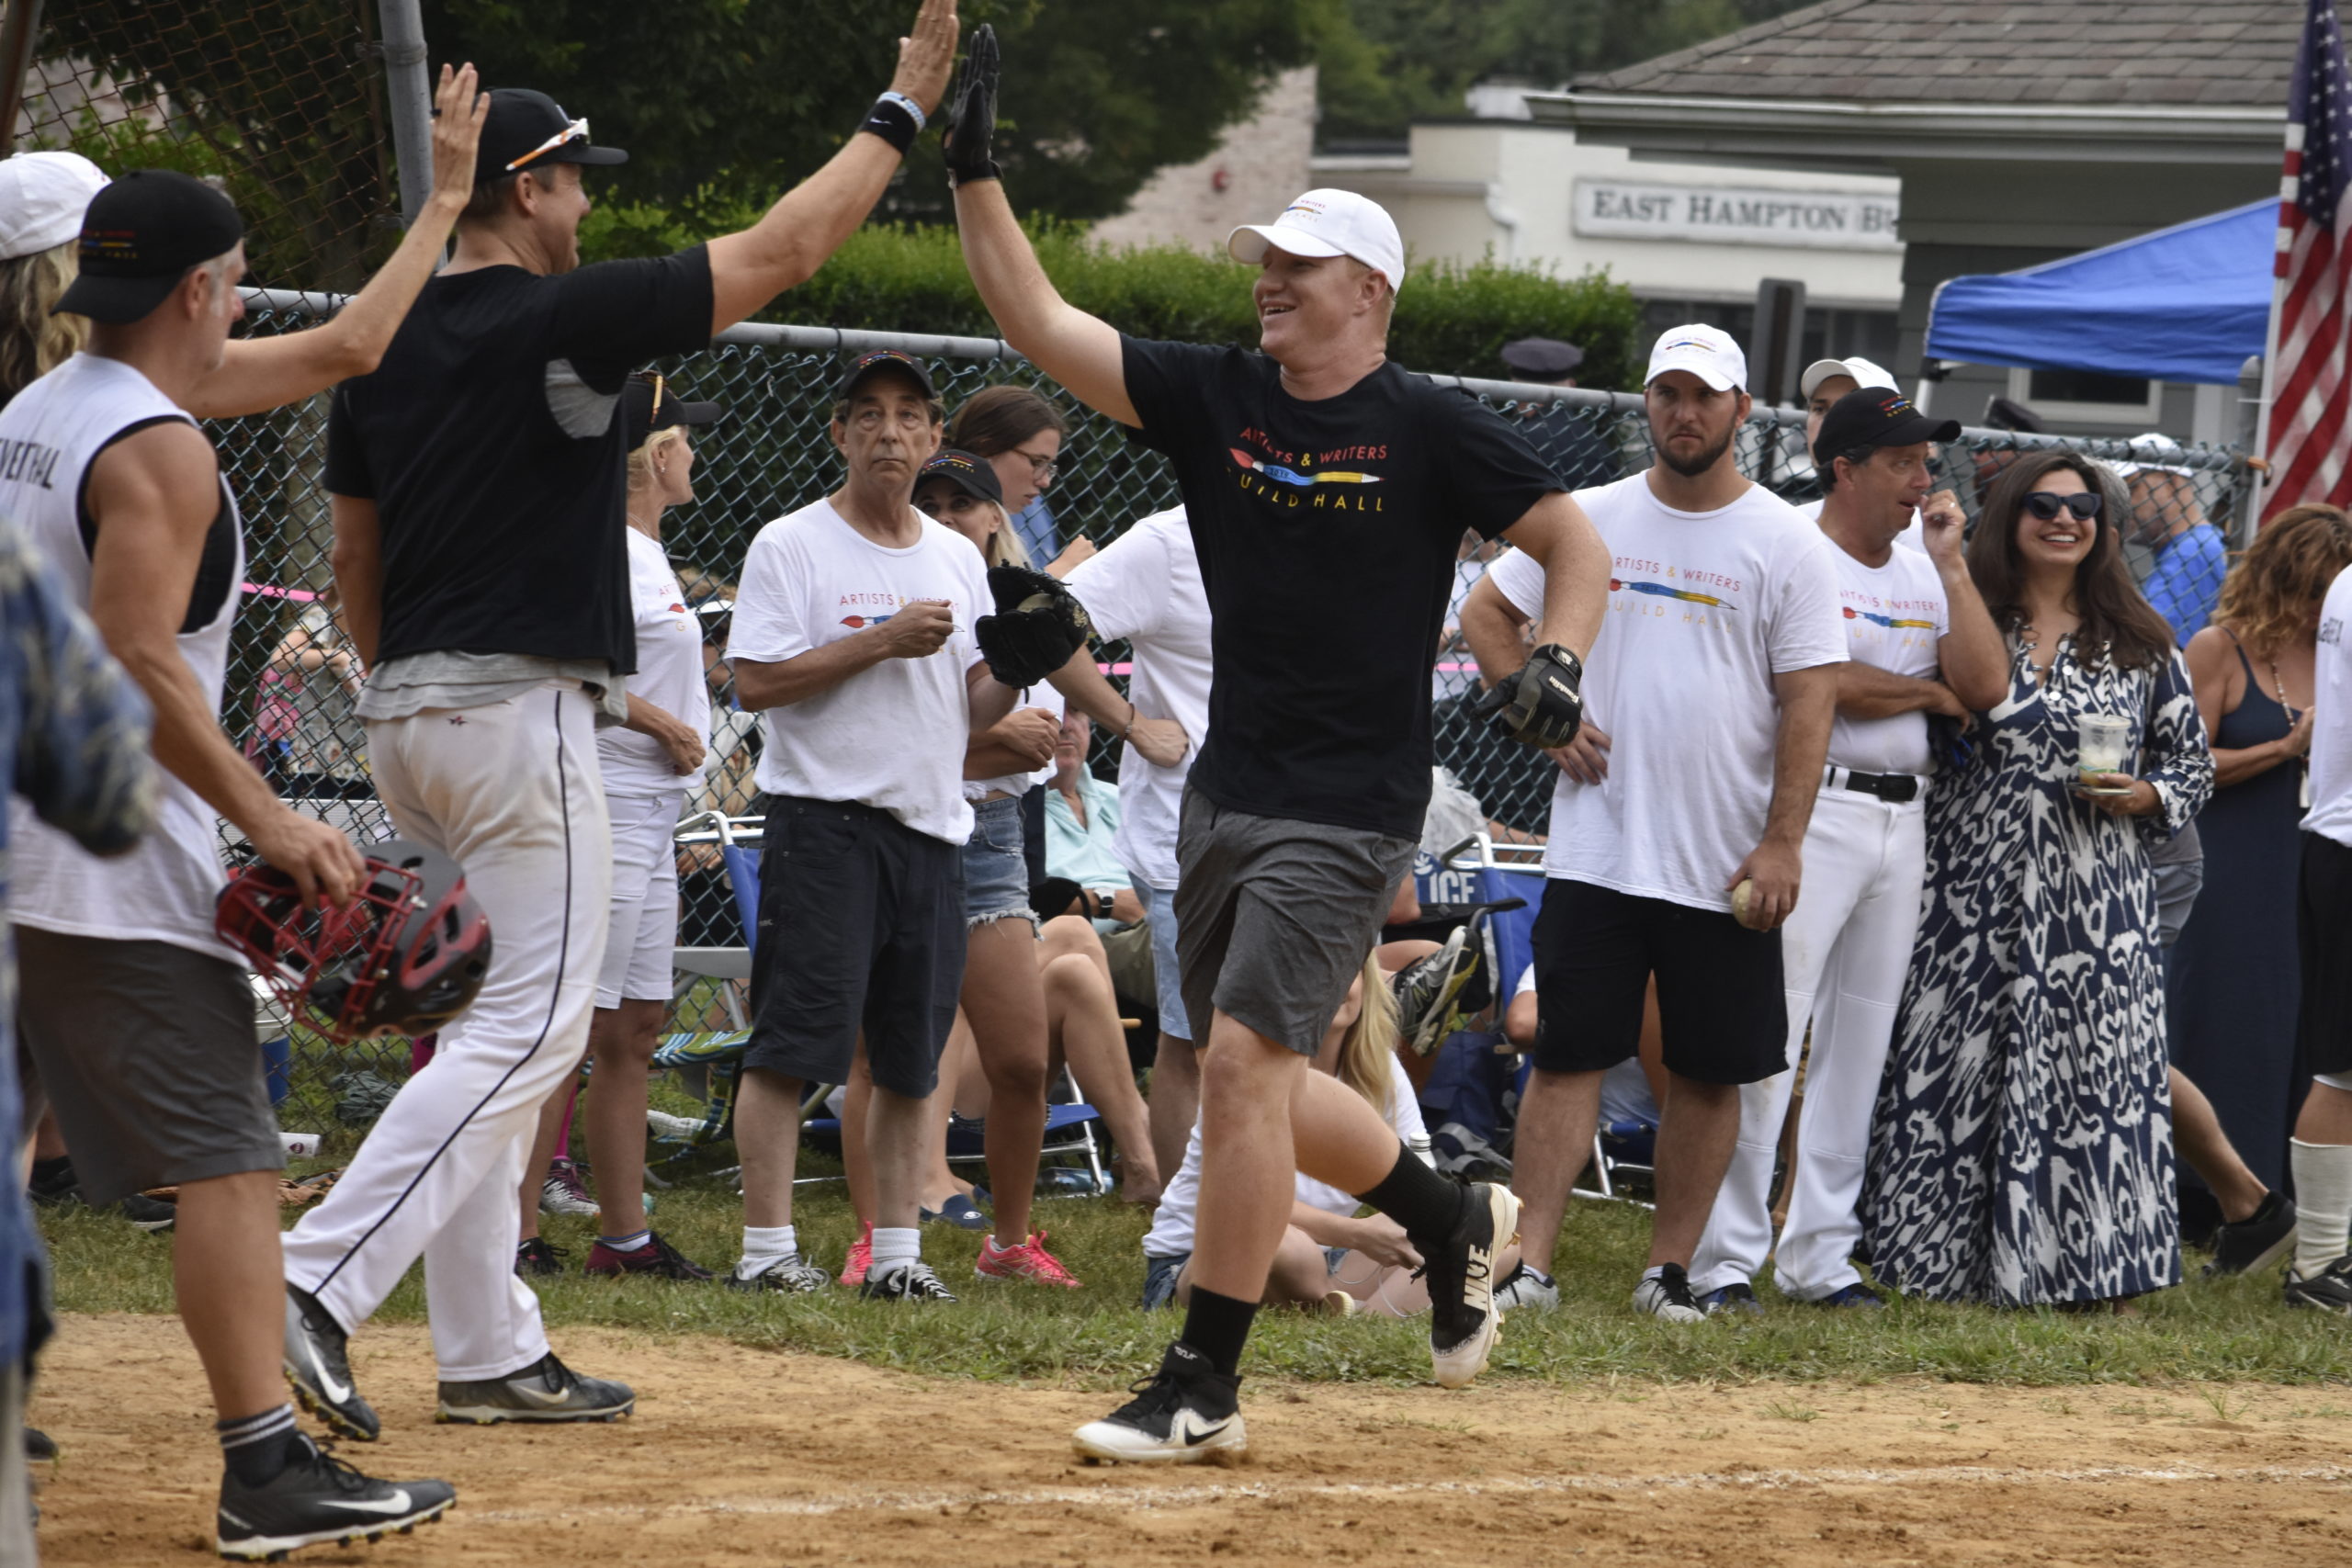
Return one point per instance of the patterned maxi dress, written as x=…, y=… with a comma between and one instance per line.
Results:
x=2022, y=1150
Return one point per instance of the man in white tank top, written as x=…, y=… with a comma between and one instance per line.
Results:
x=136, y=1014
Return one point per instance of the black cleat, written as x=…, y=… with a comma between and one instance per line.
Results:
x=907, y=1282
x=1461, y=1275
x=320, y=1372
x=539, y=1255
x=2330, y=1289
x=318, y=1498
x=548, y=1390
x=2256, y=1241
x=1187, y=1414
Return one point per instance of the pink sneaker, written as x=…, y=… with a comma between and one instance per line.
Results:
x=861, y=1256
x=1029, y=1260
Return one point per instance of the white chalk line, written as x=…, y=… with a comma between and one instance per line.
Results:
x=1118, y=1496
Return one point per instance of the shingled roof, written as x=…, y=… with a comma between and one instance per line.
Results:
x=2215, y=52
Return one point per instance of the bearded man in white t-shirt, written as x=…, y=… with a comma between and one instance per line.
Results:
x=1918, y=641
x=1709, y=698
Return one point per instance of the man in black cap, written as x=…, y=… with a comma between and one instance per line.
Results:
x=1574, y=439
x=478, y=483
x=136, y=1013
x=1918, y=641
x=852, y=640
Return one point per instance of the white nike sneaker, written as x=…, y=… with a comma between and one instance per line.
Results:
x=547, y=1392
x=1188, y=1414
x=1667, y=1296
x=1528, y=1290
x=1463, y=1322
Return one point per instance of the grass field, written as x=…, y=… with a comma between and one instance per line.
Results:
x=2226, y=1331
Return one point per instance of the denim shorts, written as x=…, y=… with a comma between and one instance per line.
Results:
x=1160, y=1279
x=996, y=867
x=1160, y=914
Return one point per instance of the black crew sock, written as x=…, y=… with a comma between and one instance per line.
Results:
x=1427, y=1204
x=1217, y=1326
x=259, y=1447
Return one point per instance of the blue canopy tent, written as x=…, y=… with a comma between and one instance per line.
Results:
x=2187, y=303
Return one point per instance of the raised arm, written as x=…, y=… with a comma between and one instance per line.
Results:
x=784, y=248
x=1975, y=662
x=257, y=374
x=1077, y=350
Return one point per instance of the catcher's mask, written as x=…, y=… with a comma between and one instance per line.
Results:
x=405, y=956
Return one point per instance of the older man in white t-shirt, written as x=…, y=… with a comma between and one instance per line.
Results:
x=1146, y=587
x=1708, y=702
x=1918, y=641
x=853, y=639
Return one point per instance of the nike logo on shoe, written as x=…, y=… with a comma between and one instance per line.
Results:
x=536, y=1392
x=335, y=1390
x=398, y=1502
x=1188, y=1429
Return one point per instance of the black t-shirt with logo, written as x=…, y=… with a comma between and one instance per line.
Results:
x=1327, y=534
x=489, y=440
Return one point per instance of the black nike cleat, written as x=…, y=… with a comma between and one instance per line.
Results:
x=1463, y=1322
x=548, y=1390
x=1188, y=1414
x=317, y=1499
x=320, y=1370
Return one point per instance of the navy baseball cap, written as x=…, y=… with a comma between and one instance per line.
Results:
x=139, y=238
x=648, y=403
x=1876, y=416
x=1542, y=358
x=525, y=130
x=885, y=361
x=973, y=476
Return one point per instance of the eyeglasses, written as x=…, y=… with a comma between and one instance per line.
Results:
x=576, y=131
x=2045, y=504
x=1044, y=468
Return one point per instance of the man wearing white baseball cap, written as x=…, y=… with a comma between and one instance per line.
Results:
x=1325, y=491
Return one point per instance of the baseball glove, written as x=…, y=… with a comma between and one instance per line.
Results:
x=1037, y=626
x=1541, y=703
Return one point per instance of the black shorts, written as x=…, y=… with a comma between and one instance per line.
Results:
x=2323, y=940
x=1720, y=995
x=148, y=1054
x=861, y=928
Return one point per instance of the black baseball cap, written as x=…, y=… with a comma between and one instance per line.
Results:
x=525, y=130
x=648, y=404
x=1876, y=416
x=880, y=362
x=973, y=476
x=1542, y=358
x=140, y=237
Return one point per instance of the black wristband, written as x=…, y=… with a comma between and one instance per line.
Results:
x=891, y=123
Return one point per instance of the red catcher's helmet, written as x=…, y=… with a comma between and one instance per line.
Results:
x=405, y=956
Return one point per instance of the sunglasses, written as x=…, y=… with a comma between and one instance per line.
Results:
x=576, y=131
x=2046, y=504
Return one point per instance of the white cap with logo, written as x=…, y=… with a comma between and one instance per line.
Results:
x=1706, y=352
x=1328, y=223
x=1860, y=371
x=42, y=198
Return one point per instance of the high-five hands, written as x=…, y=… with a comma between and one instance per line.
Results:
x=971, y=119
x=927, y=54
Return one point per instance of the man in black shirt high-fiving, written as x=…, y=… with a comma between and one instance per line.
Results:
x=479, y=489
x=1326, y=490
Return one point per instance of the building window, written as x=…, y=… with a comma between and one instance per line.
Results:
x=2086, y=396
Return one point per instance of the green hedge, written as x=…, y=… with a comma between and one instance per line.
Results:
x=1450, y=318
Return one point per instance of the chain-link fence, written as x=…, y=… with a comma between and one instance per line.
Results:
x=279, y=102
x=770, y=456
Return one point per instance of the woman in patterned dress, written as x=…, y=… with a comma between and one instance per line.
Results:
x=2023, y=1149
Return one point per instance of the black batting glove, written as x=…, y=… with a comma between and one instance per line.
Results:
x=1541, y=704
x=971, y=114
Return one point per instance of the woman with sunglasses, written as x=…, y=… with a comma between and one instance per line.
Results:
x=2022, y=1154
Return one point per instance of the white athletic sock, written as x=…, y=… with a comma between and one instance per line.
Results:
x=893, y=1245
x=2323, y=1203
x=764, y=1248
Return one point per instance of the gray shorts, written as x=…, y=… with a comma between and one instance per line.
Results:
x=148, y=1055
x=1275, y=917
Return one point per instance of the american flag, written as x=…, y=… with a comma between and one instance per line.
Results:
x=2312, y=401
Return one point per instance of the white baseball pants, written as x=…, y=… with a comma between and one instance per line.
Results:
x=1845, y=952
x=512, y=792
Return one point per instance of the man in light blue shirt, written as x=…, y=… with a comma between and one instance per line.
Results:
x=2190, y=557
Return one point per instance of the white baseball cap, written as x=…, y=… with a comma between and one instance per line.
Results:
x=1706, y=352
x=43, y=197
x=1328, y=223
x=1860, y=371
x=2155, y=444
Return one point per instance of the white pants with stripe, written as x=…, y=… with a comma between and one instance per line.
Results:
x=1845, y=952
x=512, y=792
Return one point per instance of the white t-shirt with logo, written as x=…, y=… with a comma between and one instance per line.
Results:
x=2331, y=754
x=1895, y=616
x=891, y=737
x=1916, y=535
x=1145, y=586
x=1705, y=609
x=1039, y=696
x=669, y=675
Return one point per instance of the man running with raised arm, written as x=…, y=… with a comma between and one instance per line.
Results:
x=479, y=485
x=1327, y=490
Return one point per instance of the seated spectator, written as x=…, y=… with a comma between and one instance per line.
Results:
x=1359, y=1050
x=1082, y=825
x=307, y=725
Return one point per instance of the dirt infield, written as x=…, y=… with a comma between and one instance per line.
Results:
x=741, y=1457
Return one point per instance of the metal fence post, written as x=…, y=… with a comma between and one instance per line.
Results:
x=17, y=30
x=409, y=92
x=2249, y=433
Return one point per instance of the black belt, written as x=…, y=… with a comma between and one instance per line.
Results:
x=1894, y=788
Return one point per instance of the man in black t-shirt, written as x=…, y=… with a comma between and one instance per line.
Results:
x=1325, y=490
x=479, y=487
